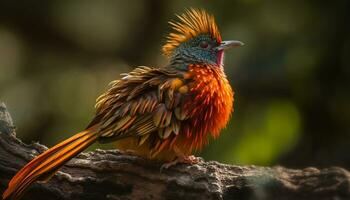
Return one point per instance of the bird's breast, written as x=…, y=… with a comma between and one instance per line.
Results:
x=211, y=101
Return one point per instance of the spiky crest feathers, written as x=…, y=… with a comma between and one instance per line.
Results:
x=191, y=24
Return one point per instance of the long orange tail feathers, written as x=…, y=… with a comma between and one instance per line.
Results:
x=47, y=163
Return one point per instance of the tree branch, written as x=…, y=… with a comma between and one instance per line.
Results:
x=110, y=174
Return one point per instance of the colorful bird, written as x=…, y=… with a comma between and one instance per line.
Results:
x=158, y=113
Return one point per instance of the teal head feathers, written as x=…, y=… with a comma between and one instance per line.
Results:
x=196, y=40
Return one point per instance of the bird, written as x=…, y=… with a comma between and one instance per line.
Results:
x=160, y=113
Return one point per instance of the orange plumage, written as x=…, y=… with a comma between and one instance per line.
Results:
x=159, y=113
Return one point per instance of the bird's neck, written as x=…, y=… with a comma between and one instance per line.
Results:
x=182, y=61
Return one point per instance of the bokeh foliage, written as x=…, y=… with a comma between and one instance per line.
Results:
x=291, y=78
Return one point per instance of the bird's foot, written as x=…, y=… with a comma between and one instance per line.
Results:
x=191, y=160
x=181, y=159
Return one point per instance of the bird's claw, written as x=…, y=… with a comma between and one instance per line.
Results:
x=182, y=159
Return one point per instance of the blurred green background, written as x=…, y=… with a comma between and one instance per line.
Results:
x=292, y=101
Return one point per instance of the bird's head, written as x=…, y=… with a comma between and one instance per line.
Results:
x=196, y=39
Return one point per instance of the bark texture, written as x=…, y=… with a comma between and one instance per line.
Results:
x=110, y=174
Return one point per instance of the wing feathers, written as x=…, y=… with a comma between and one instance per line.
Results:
x=162, y=116
x=145, y=102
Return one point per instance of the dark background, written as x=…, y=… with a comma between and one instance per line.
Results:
x=292, y=101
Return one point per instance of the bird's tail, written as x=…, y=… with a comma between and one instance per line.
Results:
x=46, y=164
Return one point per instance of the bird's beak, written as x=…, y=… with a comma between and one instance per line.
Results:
x=224, y=45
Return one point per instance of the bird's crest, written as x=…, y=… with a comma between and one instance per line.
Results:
x=192, y=23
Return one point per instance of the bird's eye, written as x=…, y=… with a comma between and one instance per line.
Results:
x=204, y=44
